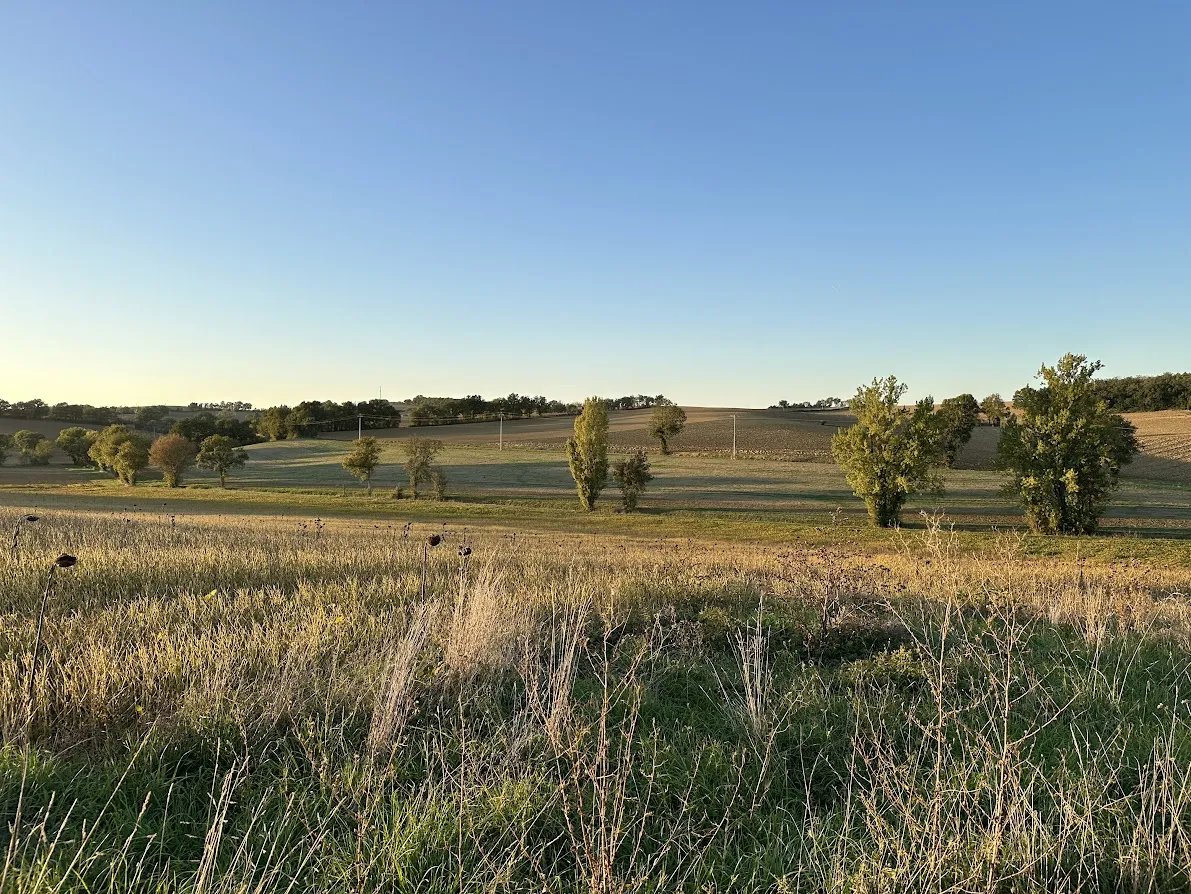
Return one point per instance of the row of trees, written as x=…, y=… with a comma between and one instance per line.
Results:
x=447, y=410
x=1062, y=448
x=39, y=409
x=311, y=417
x=126, y=452
x=827, y=403
x=1133, y=394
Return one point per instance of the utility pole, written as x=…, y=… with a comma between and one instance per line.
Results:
x=733, y=436
x=501, y=441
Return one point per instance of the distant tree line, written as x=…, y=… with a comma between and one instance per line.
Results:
x=827, y=403
x=312, y=417
x=474, y=408
x=39, y=409
x=234, y=406
x=1135, y=394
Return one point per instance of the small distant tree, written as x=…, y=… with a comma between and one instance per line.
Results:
x=994, y=409
x=76, y=442
x=5, y=447
x=219, y=454
x=132, y=457
x=632, y=475
x=890, y=452
x=419, y=461
x=957, y=418
x=438, y=482
x=666, y=421
x=173, y=455
x=1064, y=449
x=363, y=460
x=587, y=451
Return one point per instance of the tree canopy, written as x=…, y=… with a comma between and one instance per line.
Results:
x=1064, y=448
x=891, y=452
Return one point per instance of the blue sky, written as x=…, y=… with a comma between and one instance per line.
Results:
x=729, y=203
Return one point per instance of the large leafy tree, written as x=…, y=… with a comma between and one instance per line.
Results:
x=587, y=451
x=173, y=454
x=1064, y=449
x=131, y=458
x=665, y=423
x=891, y=452
x=957, y=418
x=363, y=460
x=76, y=442
x=106, y=451
x=220, y=454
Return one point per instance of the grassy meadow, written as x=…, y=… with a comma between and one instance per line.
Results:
x=264, y=703
x=282, y=686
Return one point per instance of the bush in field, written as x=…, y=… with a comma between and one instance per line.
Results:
x=220, y=454
x=173, y=454
x=995, y=409
x=632, y=475
x=5, y=447
x=890, y=452
x=438, y=481
x=363, y=460
x=665, y=423
x=1064, y=449
x=587, y=451
x=957, y=418
x=419, y=460
x=76, y=442
x=106, y=452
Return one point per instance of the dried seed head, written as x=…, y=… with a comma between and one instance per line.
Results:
x=65, y=560
x=434, y=539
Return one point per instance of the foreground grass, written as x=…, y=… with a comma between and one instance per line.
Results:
x=244, y=703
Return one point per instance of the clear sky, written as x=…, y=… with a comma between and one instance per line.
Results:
x=729, y=203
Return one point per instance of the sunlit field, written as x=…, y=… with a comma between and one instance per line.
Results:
x=289, y=703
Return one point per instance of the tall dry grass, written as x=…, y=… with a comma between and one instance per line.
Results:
x=258, y=705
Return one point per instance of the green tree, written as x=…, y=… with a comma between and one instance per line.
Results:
x=5, y=447
x=890, y=452
x=666, y=421
x=995, y=410
x=107, y=446
x=76, y=443
x=272, y=423
x=631, y=475
x=1064, y=448
x=27, y=442
x=173, y=454
x=363, y=460
x=419, y=459
x=957, y=418
x=132, y=456
x=296, y=422
x=587, y=451
x=220, y=454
